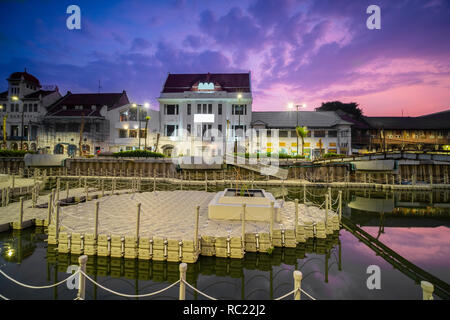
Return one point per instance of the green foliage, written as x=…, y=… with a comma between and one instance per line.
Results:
x=349, y=108
x=302, y=132
x=270, y=250
x=332, y=155
x=139, y=154
x=6, y=153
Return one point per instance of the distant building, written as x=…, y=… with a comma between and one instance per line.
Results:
x=327, y=132
x=79, y=121
x=205, y=106
x=24, y=105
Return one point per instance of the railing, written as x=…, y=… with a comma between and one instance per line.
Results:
x=81, y=294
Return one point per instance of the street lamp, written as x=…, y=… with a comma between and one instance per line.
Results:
x=292, y=106
x=16, y=98
x=139, y=108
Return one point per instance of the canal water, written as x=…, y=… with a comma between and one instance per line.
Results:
x=414, y=225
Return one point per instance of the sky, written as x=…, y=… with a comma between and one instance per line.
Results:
x=305, y=51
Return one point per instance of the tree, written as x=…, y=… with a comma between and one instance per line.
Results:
x=349, y=108
x=302, y=132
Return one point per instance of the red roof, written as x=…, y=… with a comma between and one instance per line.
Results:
x=230, y=82
x=65, y=107
x=25, y=75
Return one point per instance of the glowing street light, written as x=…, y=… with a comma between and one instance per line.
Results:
x=292, y=106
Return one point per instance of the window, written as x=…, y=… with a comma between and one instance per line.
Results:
x=199, y=108
x=204, y=108
x=220, y=108
x=219, y=128
x=122, y=133
x=133, y=133
x=269, y=133
x=14, y=131
x=319, y=133
x=293, y=134
x=12, y=107
x=210, y=108
x=189, y=109
x=188, y=128
x=171, y=130
x=97, y=127
x=245, y=109
x=171, y=109
x=60, y=127
x=73, y=127
x=35, y=107
x=332, y=133
x=87, y=127
x=283, y=134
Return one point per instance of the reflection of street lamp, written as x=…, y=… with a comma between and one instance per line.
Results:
x=291, y=106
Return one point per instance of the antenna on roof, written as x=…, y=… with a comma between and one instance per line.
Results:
x=99, y=86
x=25, y=70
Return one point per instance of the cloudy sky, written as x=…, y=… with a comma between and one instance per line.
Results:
x=302, y=51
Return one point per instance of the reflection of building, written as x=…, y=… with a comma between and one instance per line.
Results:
x=24, y=104
x=80, y=120
x=206, y=106
x=327, y=132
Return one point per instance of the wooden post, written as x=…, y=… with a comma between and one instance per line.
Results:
x=327, y=203
x=243, y=225
x=3, y=197
x=340, y=206
x=197, y=214
x=206, y=182
x=58, y=187
x=86, y=189
x=82, y=260
x=427, y=289
x=296, y=215
x=272, y=212
x=297, y=284
x=154, y=180
x=431, y=179
x=183, y=267
x=50, y=205
x=138, y=218
x=57, y=219
x=67, y=190
x=7, y=196
x=13, y=181
x=21, y=213
x=97, y=206
x=103, y=187
x=304, y=193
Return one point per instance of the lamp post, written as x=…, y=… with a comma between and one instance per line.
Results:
x=138, y=111
x=291, y=106
x=16, y=98
x=238, y=107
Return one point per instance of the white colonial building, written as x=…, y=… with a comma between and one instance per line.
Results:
x=23, y=106
x=327, y=132
x=198, y=110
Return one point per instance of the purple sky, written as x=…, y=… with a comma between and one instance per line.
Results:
x=300, y=51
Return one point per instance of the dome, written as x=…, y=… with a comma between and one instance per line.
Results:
x=28, y=77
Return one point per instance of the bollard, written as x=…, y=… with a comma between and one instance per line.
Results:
x=243, y=225
x=297, y=284
x=82, y=260
x=427, y=289
x=138, y=217
x=197, y=214
x=183, y=267
x=97, y=206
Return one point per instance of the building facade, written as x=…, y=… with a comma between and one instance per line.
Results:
x=327, y=133
x=23, y=107
x=198, y=110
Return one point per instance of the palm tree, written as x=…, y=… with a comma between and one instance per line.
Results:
x=302, y=132
x=147, y=118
